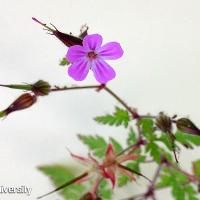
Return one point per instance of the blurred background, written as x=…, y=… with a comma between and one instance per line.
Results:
x=158, y=72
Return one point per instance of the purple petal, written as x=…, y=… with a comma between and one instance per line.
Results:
x=102, y=71
x=79, y=70
x=75, y=53
x=92, y=42
x=111, y=51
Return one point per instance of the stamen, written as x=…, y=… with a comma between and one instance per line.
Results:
x=92, y=55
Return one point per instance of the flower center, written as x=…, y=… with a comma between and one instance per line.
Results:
x=91, y=55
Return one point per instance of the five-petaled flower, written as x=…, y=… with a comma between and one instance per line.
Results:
x=91, y=55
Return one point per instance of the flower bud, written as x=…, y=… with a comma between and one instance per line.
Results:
x=187, y=126
x=163, y=122
x=41, y=88
x=24, y=101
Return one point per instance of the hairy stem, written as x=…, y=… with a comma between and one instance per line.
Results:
x=100, y=87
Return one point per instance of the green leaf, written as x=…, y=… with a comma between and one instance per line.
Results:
x=165, y=181
x=153, y=148
x=123, y=180
x=117, y=147
x=104, y=190
x=182, y=191
x=95, y=143
x=165, y=140
x=59, y=175
x=156, y=152
x=64, y=62
x=134, y=165
x=180, y=187
x=188, y=139
x=119, y=117
x=191, y=193
x=177, y=191
x=196, y=168
x=131, y=137
x=147, y=129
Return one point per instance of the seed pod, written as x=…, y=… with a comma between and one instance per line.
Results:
x=187, y=126
x=41, y=88
x=24, y=101
x=163, y=122
x=67, y=39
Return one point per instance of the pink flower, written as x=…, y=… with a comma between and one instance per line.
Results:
x=92, y=56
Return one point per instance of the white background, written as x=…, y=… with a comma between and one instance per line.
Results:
x=158, y=72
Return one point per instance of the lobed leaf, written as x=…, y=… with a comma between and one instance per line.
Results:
x=131, y=137
x=122, y=180
x=96, y=144
x=180, y=187
x=147, y=129
x=59, y=175
x=156, y=151
x=64, y=62
x=119, y=117
x=104, y=190
x=187, y=139
x=117, y=147
x=134, y=165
